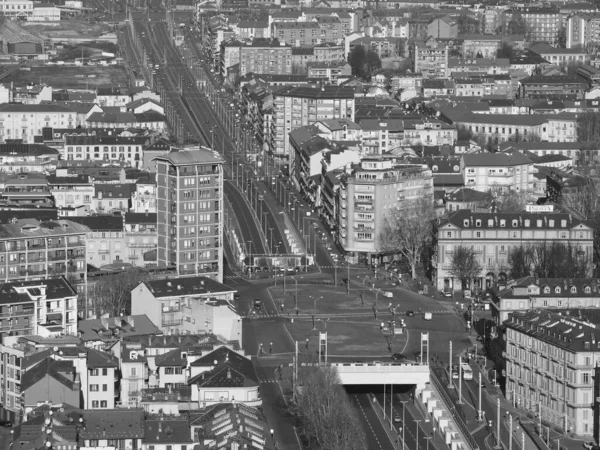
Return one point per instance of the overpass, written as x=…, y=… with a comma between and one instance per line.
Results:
x=383, y=373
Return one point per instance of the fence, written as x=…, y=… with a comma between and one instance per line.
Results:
x=458, y=420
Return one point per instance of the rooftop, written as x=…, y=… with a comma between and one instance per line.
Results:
x=191, y=157
x=186, y=286
x=112, y=424
x=114, y=328
x=167, y=431
x=495, y=159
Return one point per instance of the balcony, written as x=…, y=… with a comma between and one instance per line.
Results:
x=500, y=174
x=141, y=244
x=76, y=243
x=359, y=206
x=134, y=256
x=172, y=323
x=103, y=251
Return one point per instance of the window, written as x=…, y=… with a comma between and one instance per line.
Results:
x=557, y=290
x=585, y=378
x=95, y=403
x=94, y=372
x=94, y=387
x=104, y=372
x=105, y=388
x=502, y=223
x=478, y=234
x=103, y=404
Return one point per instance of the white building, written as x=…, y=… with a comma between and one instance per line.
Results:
x=18, y=121
x=498, y=171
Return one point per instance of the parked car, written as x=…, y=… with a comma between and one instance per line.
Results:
x=257, y=303
x=447, y=294
x=398, y=357
x=237, y=296
x=5, y=423
x=397, y=418
x=410, y=313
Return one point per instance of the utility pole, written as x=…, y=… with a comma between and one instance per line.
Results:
x=479, y=411
x=498, y=444
x=510, y=432
x=450, y=385
x=459, y=381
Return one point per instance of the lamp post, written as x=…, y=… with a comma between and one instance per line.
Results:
x=315, y=311
x=417, y=435
x=403, y=424
x=428, y=438
x=249, y=255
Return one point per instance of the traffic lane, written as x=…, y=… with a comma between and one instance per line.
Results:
x=282, y=424
x=245, y=219
x=377, y=438
x=397, y=424
x=259, y=331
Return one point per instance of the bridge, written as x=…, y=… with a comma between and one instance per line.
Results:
x=383, y=373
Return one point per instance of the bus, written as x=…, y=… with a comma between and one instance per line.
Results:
x=467, y=372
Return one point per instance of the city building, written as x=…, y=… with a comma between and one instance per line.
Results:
x=72, y=194
x=190, y=212
x=497, y=171
x=112, y=197
x=543, y=87
x=106, y=243
x=190, y=305
x=105, y=148
x=49, y=381
x=494, y=235
x=17, y=9
x=295, y=107
x=265, y=56
x=443, y=28
x=542, y=24
x=27, y=158
x=480, y=45
x=105, y=332
x=297, y=34
x=428, y=132
x=551, y=360
x=123, y=428
x=560, y=56
x=22, y=189
x=45, y=307
x=25, y=122
x=367, y=193
x=143, y=200
x=583, y=30
x=141, y=239
x=34, y=250
x=431, y=57
x=330, y=71
x=483, y=66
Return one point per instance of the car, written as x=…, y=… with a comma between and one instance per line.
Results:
x=447, y=294
x=589, y=445
x=397, y=418
x=236, y=296
x=5, y=423
x=398, y=357
x=257, y=303
x=410, y=313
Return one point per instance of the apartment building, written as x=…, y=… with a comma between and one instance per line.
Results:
x=19, y=121
x=330, y=72
x=367, y=193
x=190, y=212
x=265, y=56
x=571, y=150
x=72, y=194
x=541, y=23
x=494, y=235
x=493, y=85
x=35, y=250
x=298, y=34
x=190, y=305
x=105, y=148
x=428, y=132
x=45, y=307
x=497, y=171
x=21, y=189
x=295, y=107
x=484, y=66
x=27, y=158
x=141, y=238
x=431, y=57
x=143, y=199
x=583, y=30
x=105, y=240
x=385, y=47
x=544, y=87
x=480, y=45
x=102, y=378
x=551, y=362
x=443, y=28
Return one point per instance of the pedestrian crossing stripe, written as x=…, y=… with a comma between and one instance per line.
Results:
x=268, y=380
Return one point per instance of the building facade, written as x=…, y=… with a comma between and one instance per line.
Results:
x=190, y=212
x=550, y=363
x=494, y=235
x=368, y=193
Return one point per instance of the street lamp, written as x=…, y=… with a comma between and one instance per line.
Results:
x=428, y=438
x=403, y=424
x=315, y=311
x=417, y=435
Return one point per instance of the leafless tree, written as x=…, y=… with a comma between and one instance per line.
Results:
x=111, y=294
x=408, y=230
x=464, y=265
x=328, y=420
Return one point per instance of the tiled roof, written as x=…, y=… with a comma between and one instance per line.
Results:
x=56, y=288
x=460, y=217
x=231, y=370
x=199, y=342
x=167, y=431
x=32, y=108
x=174, y=358
x=61, y=371
x=185, y=286
x=495, y=159
x=97, y=359
x=114, y=190
x=100, y=223
x=140, y=218
x=112, y=424
x=115, y=328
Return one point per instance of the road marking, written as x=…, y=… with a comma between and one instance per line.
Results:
x=368, y=421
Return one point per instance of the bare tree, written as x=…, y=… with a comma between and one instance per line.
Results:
x=464, y=265
x=111, y=294
x=328, y=420
x=409, y=230
x=550, y=260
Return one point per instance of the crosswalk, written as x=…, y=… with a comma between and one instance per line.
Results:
x=234, y=279
x=267, y=380
x=256, y=314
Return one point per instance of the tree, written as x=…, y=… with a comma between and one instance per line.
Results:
x=588, y=127
x=561, y=37
x=517, y=25
x=409, y=230
x=512, y=201
x=363, y=62
x=111, y=294
x=464, y=265
x=328, y=420
x=467, y=24
x=548, y=259
x=505, y=50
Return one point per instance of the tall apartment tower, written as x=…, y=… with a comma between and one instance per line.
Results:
x=190, y=212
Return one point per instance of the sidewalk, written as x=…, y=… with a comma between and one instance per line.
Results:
x=418, y=410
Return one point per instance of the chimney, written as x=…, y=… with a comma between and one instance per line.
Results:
x=131, y=321
x=228, y=374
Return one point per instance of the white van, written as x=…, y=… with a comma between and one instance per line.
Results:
x=428, y=316
x=388, y=294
